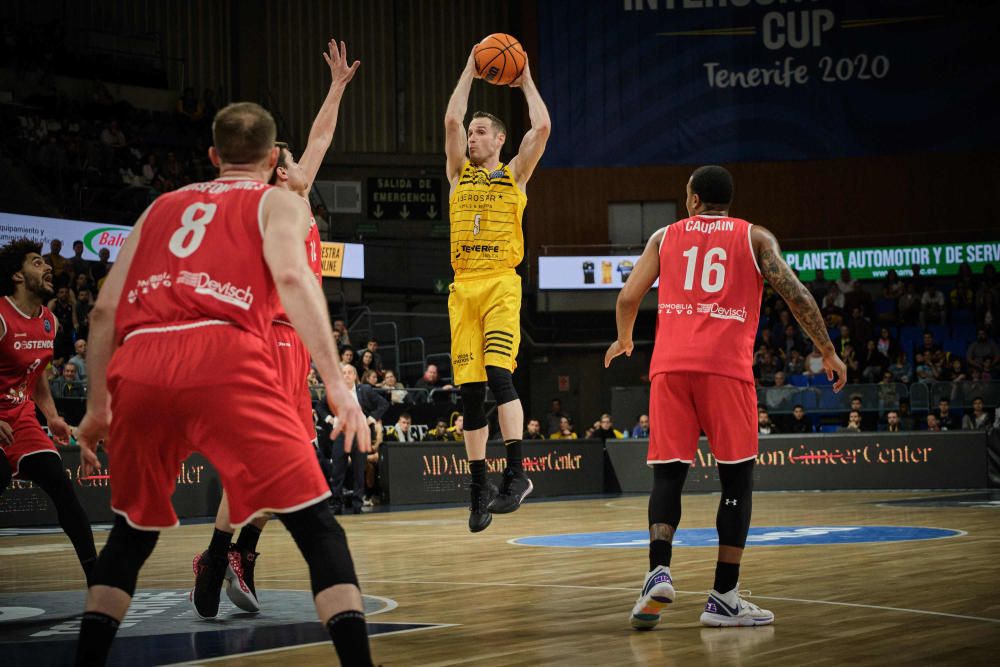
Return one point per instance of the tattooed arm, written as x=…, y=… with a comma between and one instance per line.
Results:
x=799, y=300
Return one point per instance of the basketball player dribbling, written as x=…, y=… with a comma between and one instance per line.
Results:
x=27, y=338
x=711, y=267
x=234, y=563
x=181, y=356
x=484, y=303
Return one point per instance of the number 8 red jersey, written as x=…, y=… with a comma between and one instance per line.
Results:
x=709, y=298
x=200, y=260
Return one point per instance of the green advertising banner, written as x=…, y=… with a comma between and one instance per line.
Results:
x=934, y=260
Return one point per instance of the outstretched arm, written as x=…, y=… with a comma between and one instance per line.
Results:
x=799, y=300
x=323, y=127
x=455, y=141
x=645, y=273
x=533, y=143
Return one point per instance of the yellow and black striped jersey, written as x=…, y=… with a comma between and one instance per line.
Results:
x=486, y=209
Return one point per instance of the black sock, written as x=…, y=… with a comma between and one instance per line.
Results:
x=350, y=637
x=513, y=454
x=727, y=575
x=219, y=546
x=660, y=553
x=247, y=540
x=88, y=568
x=97, y=631
x=478, y=470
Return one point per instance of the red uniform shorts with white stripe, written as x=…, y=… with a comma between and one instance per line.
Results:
x=212, y=390
x=292, y=363
x=29, y=438
x=684, y=404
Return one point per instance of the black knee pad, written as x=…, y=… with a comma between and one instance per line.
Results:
x=665, y=499
x=323, y=544
x=123, y=556
x=736, y=504
x=501, y=383
x=474, y=405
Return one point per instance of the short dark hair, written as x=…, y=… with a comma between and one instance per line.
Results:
x=797, y=406
x=498, y=126
x=282, y=161
x=892, y=412
x=77, y=241
x=405, y=415
x=12, y=258
x=243, y=133
x=713, y=184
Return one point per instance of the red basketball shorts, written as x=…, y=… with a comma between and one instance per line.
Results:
x=212, y=390
x=29, y=438
x=292, y=363
x=682, y=405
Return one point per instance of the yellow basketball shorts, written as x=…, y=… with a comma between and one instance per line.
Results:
x=485, y=317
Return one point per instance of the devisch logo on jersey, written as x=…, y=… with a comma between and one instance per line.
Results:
x=722, y=313
x=144, y=285
x=33, y=345
x=241, y=297
x=676, y=309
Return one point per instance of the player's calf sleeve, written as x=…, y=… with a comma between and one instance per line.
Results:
x=665, y=510
x=733, y=518
x=501, y=382
x=123, y=556
x=323, y=545
x=47, y=473
x=474, y=405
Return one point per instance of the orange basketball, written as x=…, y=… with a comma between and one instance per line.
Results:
x=500, y=59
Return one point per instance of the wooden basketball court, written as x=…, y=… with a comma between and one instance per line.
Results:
x=491, y=602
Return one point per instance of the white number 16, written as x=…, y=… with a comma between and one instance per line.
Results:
x=713, y=274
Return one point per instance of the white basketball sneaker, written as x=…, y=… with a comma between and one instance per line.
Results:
x=657, y=592
x=725, y=610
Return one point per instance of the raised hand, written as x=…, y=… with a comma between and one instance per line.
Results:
x=336, y=58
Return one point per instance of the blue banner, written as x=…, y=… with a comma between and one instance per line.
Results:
x=640, y=82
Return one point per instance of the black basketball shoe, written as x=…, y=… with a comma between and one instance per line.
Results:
x=239, y=579
x=209, y=574
x=480, y=517
x=515, y=488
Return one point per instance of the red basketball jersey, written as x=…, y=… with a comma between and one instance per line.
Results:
x=25, y=351
x=709, y=298
x=200, y=258
x=313, y=252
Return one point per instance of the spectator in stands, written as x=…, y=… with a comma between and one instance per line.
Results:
x=457, y=431
x=439, y=433
x=814, y=363
x=901, y=369
x=987, y=372
x=833, y=307
x=393, y=388
x=853, y=423
x=62, y=308
x=372, y=346
x=370, y=377
x=368, y=362
x=189, y=108
x=892, y=423
x=909, y=305
x=764, y=424
x=886, y=345
x=641, y=429
x=431, y=379
x=554, y=417
x=766, y=340
x=77, y=263
x=345, y=338
x=932, y=308
x=82, y=313
x=799, y=423
x=565, y=431
x=978, y=419
x=533, y=430
x=780, y=396
x=954, y=372
x=888, y=392
x=765, y=366
x=893, y=288
x=60, y=265
x=853, y=365
x=820, y=286
x=923, y=371
x=874, y=363
x=980, y=349
x=962, y=295
x=795, y=364
x=113, y=137
x=844, y=339
x=604, y=429
x=860, y=327
x=846, y=284
x=401, y=431
x=316, y=389
x=68, y=385
x=867, y=419
x=151, y=172
x=99, y=269
x=79, y=360
x=347, y=356
x=932, y=423
x=944, y=415
x=906, y=421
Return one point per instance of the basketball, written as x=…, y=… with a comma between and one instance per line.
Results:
x=500, y=59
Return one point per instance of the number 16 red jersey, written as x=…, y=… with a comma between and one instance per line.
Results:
x=709, y=298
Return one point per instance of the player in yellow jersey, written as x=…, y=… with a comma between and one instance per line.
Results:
x=484, y=303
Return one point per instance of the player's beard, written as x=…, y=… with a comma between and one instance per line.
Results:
x=38, y=287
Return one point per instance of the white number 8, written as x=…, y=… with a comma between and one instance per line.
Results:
x=186, y=240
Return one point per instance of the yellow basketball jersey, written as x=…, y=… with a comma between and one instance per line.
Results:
x=486, y=209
